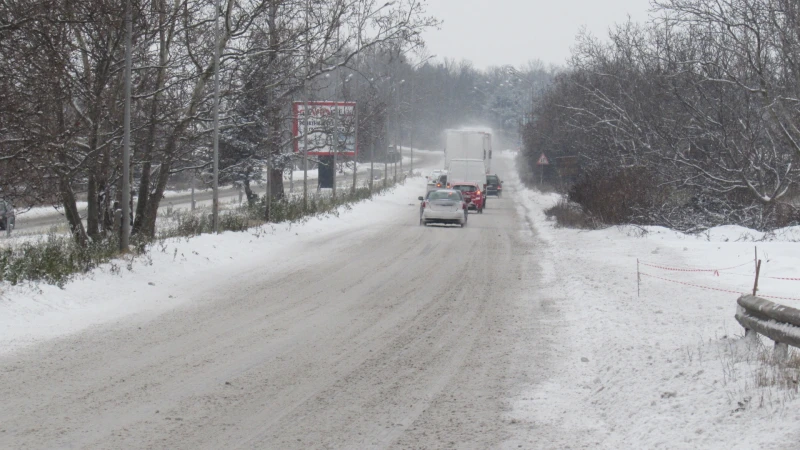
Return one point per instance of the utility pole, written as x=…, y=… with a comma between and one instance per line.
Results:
x=355, y=145
x=397, y=125
x=355, y=109
x=399, y=129
x=373, y=140
x=411, y=125
x=336, y=139
x=386, y=153
x=305, y=111
x=126, y=137
x=305, y=146
x=411, y=114
x=215, y=184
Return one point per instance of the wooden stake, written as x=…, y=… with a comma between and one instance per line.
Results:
x=638, y=280
x=758, y=271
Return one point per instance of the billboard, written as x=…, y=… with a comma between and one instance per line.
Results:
x=326, y=132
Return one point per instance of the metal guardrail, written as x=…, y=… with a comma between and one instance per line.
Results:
x=779, y=323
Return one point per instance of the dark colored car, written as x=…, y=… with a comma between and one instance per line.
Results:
x=494, y=185
x=7, y=216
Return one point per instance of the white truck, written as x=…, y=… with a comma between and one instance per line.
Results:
x=467, y=170
x=468, y=144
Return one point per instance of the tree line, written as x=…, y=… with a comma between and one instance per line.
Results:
x=61, y=102
x=61, y=94
x=689, y=120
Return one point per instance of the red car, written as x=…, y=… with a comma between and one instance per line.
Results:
x=473, y=192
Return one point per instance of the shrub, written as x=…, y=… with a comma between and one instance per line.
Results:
x=54, y=260
x=570, y=214
x=626, y=195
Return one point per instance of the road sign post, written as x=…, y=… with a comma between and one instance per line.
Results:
x=543, y=161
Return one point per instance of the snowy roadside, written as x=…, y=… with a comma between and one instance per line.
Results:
x=182, y=270
x=666, y=368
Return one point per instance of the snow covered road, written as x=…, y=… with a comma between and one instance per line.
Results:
x=376, y=333
x=365, y=330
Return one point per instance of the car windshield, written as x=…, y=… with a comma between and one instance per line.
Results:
x=444, y=195
x=492, y=179
x=465, y=188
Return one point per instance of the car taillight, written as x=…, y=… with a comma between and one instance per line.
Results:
x=478, y=193
x=424, y=204
x=438, y=184
x=463, y=205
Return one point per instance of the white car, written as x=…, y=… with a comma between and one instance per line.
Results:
x=443, y=206
x=433, y=176
x=437, y=180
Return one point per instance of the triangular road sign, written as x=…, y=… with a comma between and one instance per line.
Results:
x=543, y=161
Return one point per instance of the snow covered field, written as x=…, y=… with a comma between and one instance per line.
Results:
x=667, y=368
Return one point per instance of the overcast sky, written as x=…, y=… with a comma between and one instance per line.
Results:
x=497, y=32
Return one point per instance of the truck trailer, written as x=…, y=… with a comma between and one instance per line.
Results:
x=468, y=144
x=467, y=170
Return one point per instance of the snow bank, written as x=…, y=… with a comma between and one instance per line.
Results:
x=179, y=271
x=666, y=368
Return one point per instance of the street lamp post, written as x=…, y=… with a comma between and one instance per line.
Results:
x=126, y=137
x=397, y=145
x=215, y=184
x=411, y=106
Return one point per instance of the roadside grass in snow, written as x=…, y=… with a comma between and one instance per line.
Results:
x=754, y=377
x=56, y=258
x=53, y=260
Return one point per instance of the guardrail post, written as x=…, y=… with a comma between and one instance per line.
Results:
x=750, y=336
x=781, y=351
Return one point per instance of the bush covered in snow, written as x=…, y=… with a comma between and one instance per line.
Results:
x=688, y=124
